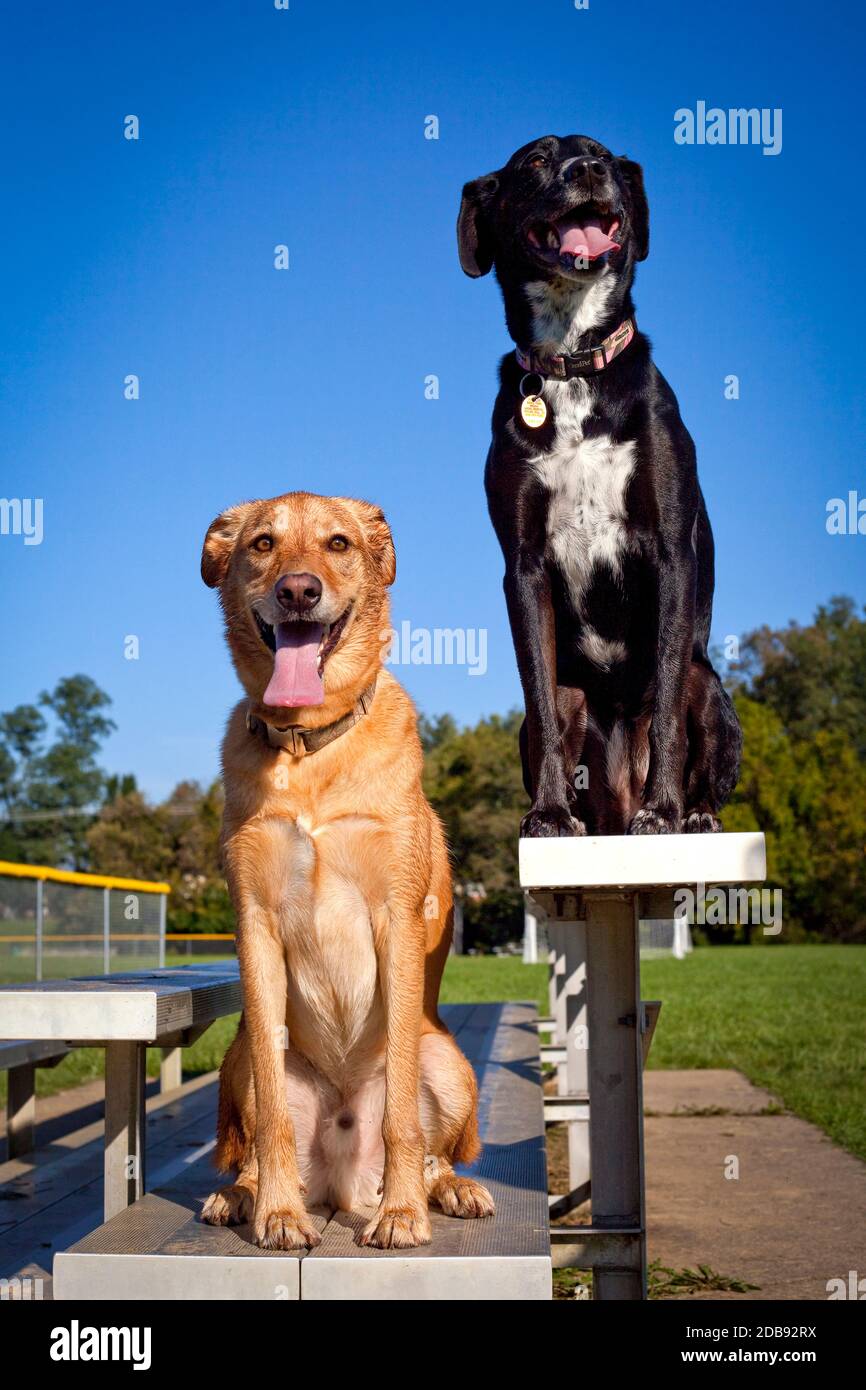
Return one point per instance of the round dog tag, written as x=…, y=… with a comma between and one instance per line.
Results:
x=533, y=411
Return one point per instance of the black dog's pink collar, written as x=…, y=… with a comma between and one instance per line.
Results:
x=591, y=360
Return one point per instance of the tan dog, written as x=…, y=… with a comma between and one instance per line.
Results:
x=342, y=1082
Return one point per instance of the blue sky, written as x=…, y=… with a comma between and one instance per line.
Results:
x=306, y=127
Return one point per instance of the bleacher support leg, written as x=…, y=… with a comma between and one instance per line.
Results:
x=556, y=935
x=616, y=1092
x=124, y=1125
x=170, y=1069
x=21, y=1110
x=577, y=1064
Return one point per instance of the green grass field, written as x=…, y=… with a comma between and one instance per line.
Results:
x=791, y=1018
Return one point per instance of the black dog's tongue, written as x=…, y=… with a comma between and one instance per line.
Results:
x=586, y=239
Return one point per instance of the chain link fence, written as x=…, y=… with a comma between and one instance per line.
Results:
x=56, y=924
x=183, y=947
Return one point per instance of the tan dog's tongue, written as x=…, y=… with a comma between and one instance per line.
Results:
x=296, y=680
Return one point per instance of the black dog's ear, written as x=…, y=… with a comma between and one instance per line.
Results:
x=474, y=233
x=633, y=175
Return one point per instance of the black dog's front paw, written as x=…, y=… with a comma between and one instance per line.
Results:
x=650, y=821
x=701, y=823
x=547, y=822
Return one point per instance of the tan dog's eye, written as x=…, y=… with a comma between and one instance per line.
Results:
x=262, y=544
x=338, y=543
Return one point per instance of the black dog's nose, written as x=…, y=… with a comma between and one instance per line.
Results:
x=299, y=592
x=583, y=170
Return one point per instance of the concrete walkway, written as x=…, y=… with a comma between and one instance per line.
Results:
x=791, y=1216
x=791, y=1212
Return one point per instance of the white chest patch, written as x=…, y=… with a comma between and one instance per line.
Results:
x=587, y=481
x=587, y=478
x=563, y=310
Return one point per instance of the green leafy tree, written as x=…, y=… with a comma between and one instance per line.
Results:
x=813, y=676
x=801, y=698
x=473, y=778
x=119, y=784
x=48, y=791
x=176, y=841
x=21, y=731
x=131, y=839
x=435, y=730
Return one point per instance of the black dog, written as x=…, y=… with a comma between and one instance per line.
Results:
x=592, y=488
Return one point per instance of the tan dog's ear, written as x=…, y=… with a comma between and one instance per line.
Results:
x=219, y=543
x=379, y=539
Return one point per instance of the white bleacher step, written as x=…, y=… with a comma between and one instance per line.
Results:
x=641, y=861
x=159, y=1249
x=135, y=1005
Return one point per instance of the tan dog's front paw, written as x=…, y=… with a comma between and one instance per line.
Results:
x=462, y=1197
x=398, y=1228
x=230, y=1206
x=286, y=1230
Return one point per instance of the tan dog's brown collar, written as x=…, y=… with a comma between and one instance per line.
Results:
x=301, y=741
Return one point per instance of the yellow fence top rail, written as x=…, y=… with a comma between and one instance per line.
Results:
x=194, y=936
x=135, y=885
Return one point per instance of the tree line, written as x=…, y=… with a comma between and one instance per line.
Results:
x=800, y=692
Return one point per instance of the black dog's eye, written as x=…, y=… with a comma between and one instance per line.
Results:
x=338, y=543
x=262, y=544
x=536, y=161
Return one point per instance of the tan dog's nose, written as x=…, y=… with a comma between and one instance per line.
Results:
x=298, y=593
